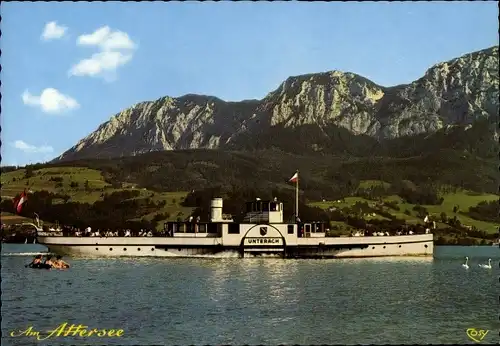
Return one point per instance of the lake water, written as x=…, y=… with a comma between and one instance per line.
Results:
x=255, y=301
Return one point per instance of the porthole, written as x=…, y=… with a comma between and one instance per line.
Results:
x=179, y=249
x=110, y=249
x=152, y=249
x=97, y=248
x=138, y=249
x=373, y=247
x=124, y=249
x=425, y=245
x=384, y=246
x=399, y=245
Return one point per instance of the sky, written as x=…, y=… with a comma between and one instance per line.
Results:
x=67, y=67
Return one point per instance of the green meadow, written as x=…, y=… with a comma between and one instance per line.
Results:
x=86, y=185
x=463, y=199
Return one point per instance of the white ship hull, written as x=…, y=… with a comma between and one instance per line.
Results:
x=410, y=245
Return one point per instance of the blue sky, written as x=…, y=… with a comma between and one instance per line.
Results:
x=58, y=86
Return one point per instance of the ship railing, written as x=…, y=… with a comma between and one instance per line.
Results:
x=256, y=217
x=49, y=234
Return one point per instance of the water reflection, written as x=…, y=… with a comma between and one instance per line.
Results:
x=406, y=259
x=216, y=281
x=277, y=275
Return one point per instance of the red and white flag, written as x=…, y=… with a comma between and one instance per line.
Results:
x=18, y=202
x=294, y=178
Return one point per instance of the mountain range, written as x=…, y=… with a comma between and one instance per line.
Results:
x=452, y=106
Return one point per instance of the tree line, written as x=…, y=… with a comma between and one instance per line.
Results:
x=114, y=211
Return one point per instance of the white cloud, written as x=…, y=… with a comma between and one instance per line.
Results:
x=50, y=101
x=116, y=49
x=100, y=63
x=28, y=148
x=53, y=31
x=107, y=40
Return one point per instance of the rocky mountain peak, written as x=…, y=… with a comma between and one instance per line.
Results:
x=456, y=92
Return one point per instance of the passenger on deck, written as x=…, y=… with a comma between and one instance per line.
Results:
x=59, y=263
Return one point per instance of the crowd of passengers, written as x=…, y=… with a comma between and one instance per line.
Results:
x=192, y=225
x=89, y=232
x=386, y=233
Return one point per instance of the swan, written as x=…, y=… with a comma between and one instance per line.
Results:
x=465, y=265
x=487, y=266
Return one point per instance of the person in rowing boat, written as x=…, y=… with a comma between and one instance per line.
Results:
x=36, y=262
x=48, y=262
x=59, y=263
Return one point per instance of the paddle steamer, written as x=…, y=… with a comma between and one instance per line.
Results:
x=262, y=232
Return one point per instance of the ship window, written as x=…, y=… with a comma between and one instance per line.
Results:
x=152, y=249
x=97, y=248
x=110, y=249
x=212, y=228
x=384, y=246
x=138, y=249
x=373, y=247
x=399, y=245
x=425, y=245
x=265, y=207
x=274, y=206
x=233, y=228
x=124, y=249
x=189, y=227
x=290, y=229
x=308, y=228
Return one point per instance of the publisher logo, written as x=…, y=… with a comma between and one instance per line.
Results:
x=476, y=335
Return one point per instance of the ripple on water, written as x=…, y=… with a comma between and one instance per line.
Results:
x=232, y=301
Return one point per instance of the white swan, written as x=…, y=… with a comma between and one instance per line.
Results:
x=465, y=265
x=487, y=266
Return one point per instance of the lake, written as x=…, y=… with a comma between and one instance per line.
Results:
x=255, y=301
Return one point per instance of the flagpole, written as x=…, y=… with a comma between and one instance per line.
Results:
x=297, y=196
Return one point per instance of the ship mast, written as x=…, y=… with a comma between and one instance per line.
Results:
x=295, y=179
x=297, y=196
